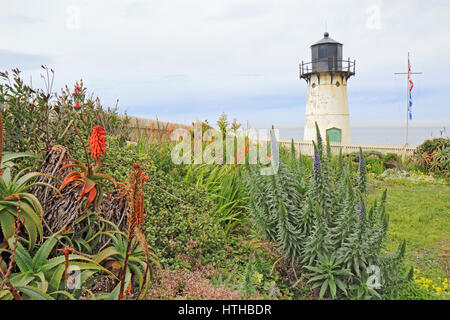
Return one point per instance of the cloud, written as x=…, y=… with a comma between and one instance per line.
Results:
x=23, y=61
x=195, y=59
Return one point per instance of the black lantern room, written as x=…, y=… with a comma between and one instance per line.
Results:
x=326, y=56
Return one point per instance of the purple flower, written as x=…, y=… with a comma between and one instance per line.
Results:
x=316, y=162
x=361, y=162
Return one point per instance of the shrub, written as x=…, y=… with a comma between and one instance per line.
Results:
x=36, y=119
x=434, y=156
x=390, y=160
x=374, y=165
x=330, y=229
x=180, y=225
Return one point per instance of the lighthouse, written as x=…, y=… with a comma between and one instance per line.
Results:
x=326, y=76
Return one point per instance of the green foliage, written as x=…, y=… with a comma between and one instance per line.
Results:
x=16, y=199
x=328, y=274
x=137, y=265
x=181, y=225
x=390, y=160
x=374, y=165
x=36, y=119
x=258, y=279
x=434, y=156
x=330, y=228
x=223, y=124
x=42, y=277
x=225, y=188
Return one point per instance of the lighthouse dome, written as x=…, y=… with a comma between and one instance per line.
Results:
x=326, y=55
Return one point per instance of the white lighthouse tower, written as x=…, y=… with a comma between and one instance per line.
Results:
x=326, y=100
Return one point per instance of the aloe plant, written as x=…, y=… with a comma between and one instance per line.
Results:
x=136, y=266
x=15, y=199
x=40, y=276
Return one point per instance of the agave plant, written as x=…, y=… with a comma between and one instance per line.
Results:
x=15, y=199
x=441, y=160
x=116, y=254
x=85, y=234
x=42, y=277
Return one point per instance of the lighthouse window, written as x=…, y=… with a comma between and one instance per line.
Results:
x=323, y=52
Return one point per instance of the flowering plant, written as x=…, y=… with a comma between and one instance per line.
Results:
x=90, y=177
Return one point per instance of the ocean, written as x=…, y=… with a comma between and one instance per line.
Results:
x=379, y=135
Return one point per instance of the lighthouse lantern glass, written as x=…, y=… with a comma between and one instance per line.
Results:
x=327, y=57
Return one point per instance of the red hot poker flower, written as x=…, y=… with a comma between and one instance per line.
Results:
x=76, y=90
x=97, y=142
x=77, y=105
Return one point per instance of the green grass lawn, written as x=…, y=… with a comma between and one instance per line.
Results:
x=420, y=214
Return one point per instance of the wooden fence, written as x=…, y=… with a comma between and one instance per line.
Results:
x=307, y=148
x=147, y=128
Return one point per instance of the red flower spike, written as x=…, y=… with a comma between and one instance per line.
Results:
x=97, y=142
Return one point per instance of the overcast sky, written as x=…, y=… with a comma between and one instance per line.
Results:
x=184, y=60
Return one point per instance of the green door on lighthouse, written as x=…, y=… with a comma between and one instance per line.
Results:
x=334, y=134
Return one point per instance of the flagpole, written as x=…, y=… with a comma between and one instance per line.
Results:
x=408, y=87
x=407, y=105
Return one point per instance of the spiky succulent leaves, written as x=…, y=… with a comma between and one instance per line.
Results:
x=285, y=184
x=295, y=165
x=329, y=275
x=340, y=166
x=315, y=189
x=345, y=218
x=317, y=242
x=89, y=178
x=332, y=217
x=47, y=274
x=340, y=183
x=328, y=195
x=307, y=217
x=267, y=192
x=289, y=238
x=263, y=208
x=328, y=146
x=394, y=273
x=362, y=181
x=319, y=140
x=16, y=200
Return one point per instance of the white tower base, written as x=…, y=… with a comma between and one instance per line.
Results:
x=327, y=104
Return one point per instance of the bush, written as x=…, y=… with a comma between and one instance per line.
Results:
x=331, y=229
x=434, y=156
x=180, y=226
x=390, y=160
x=374, y=165
x=36, y=119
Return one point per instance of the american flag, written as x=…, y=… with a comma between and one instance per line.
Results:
x=411, y=86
